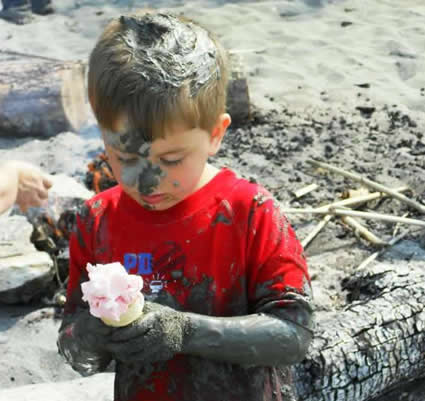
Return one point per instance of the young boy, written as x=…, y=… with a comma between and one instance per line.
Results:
x=225, y=279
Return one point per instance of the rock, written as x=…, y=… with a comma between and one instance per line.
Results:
x=24, y=271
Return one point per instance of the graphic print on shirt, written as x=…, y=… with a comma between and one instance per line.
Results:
x=165, y=264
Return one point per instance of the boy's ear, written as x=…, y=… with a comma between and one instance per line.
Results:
x=218, y=132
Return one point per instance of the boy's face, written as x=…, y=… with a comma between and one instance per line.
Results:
x=160, y=174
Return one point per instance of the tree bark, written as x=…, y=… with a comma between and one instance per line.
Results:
x=376, y=344
x=41, y=97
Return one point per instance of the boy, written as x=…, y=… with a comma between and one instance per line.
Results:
x=225, y=280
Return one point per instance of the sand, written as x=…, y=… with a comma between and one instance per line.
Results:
x=310, y=64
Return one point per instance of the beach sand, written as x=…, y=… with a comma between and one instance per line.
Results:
x=316, y=59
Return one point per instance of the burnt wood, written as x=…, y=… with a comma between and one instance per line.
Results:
x=41, y=97
x=375, y=344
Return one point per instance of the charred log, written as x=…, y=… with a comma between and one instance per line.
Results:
x=238, y=101
x=376, y=344
x=41, y=97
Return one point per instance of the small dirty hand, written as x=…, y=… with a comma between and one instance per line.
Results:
x=157, y=336
x=33, y=185
x=82, y=341
x=91, y=332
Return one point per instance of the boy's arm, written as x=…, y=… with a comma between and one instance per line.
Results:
x=81, y=335
x=260, y=339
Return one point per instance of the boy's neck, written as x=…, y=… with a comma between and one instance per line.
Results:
x=208, y=174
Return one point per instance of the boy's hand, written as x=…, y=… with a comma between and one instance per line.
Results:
x=157, y=336
x=90, y=331
x=82, y=339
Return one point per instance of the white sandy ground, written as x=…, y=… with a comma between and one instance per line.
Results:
x=294, y=52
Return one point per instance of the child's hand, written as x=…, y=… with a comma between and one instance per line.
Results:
x=91, y=332
x=82, y=339
x=157, y=336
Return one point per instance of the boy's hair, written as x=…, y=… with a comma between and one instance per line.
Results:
x=156, y=70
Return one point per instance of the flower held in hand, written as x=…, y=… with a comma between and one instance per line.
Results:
x=112, y=293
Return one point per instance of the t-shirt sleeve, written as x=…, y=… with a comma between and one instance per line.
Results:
x=277, y=270
x=80, y=253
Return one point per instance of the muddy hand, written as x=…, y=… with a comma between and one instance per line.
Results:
x=157, y=336
x=82, y=339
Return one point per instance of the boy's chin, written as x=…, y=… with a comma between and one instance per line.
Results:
x=164, y=205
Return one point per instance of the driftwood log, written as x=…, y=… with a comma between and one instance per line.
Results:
x=41, y=97
x=238, y=101
x=376, y=344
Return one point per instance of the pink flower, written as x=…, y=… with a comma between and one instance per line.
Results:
x=110, y=290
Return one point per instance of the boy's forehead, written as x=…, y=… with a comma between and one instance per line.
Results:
x=127, y=141
x=176, y=139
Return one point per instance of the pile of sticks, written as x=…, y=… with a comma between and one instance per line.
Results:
x=344, y=209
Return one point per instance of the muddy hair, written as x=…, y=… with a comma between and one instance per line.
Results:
x=156, y=70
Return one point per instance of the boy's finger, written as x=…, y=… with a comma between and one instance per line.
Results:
x=129, y=332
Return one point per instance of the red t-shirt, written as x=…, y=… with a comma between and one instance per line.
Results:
x=226, y=250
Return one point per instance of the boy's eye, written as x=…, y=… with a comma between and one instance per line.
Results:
x=171, y=162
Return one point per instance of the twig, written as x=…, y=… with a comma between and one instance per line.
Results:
x=374, y=255
x=358, y=200
x=355, y=213
x=363, y=231
x=305, y=190
x=306, y=242
x=371, y=184
x=378, y=216
x=397, y=226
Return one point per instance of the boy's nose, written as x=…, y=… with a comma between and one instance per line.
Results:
x=149, y=178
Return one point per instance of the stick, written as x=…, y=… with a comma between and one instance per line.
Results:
x=397, y=226
x=374, y=255
x=363, y=231
x=355, y=213
x=371, y=184
x=358, y=200
x=378, y=216
x=305, y=190
x=306, y=242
